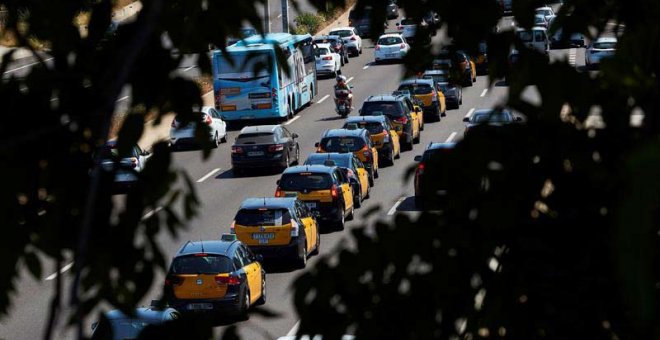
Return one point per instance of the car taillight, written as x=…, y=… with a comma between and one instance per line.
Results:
x=278, y=192
x=207, y=120
x=420, y=169
x=327, y=58
x=402, y=45
x=227, y=280
x=294, y=228
x=173, y=280
x=402, y=120
x=232, y=228
x=275, y=147
x=334, y=192
x=236, y=149
x=377, y=47
x=134, y=162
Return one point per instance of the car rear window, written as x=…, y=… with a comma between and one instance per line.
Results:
x=434, y=154
x=338, y=161
x=492, y=117
x=201, y=264
x=408, y=22
x=305, y=180
x=390, y=109
x=263, y=217
x=386, y=41
x=342, y=33
x=417, y=88
x=256, y=138
x=524, y=36
x=342, y=144
x=372, y=127
x=200, y=115
x=321, y=51
x=604, y=45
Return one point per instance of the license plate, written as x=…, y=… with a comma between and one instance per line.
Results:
x=255, y=153
x=311, y=205
x=263, y=236
x=200, y=306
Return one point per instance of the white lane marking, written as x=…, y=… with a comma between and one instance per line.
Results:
x=292, y=120
x=451, y=137
x=572, y=55
x=25, y=66
x=211, y=173
x=484, y=92
x=189, y=68
x=122, y=98
x=151, y=213
x=279, y=15
x=365, y=67
x=322, y=99
x=294, y=329
x=469, y=113
x=59, y=272
x=349, y=80
x=396, y=205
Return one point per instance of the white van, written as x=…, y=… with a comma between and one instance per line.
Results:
x=536, y=38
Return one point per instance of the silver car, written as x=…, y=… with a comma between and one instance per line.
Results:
x=184, y=134
x=602, y=48
x=127, y=168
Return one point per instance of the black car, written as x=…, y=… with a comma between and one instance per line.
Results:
x=360, y=18
x=490, y=118
x=392, y=10
x=336, y=43
x=432, y=179
x=452, y=91
x=264, y=146
x=348, y=163
x=398, y=109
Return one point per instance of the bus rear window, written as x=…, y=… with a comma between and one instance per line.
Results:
x=206, y=264
x=255, y=63
x=263, y=217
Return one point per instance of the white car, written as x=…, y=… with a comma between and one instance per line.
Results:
x=603, y=47
x=390, y=47
x=547, y=12
x=327, y=61
x=127, y=167
x=184, y=134
x=351, y=39
x=407, y=27
x=541, y=21
x=536, y=38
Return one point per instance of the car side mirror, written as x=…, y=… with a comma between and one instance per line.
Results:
x=466, y=119
x=317, y=144
x=294, y=135
x=418, y=158
x=259, y=257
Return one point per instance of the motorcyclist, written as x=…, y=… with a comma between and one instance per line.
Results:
x=343, y=86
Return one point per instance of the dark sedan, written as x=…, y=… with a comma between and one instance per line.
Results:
x=490, y=118
x=264, y=146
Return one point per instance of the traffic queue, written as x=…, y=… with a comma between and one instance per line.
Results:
x=225, y=277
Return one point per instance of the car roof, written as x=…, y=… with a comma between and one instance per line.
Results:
x=268, y=202
x=606, y=39
x=435, y=72
x=535, y=28
x=323, y=45
x=384, y=98
x=417, y=81
x=344, y=133
x=390, y=35
x=341, y=28
x=309, y=168
x=377, y=119
x=440, y=145
x=330, y=155
x=258, y=128
x=141, y=313
x=486, y=111
x=216, y=247
x=327, y=36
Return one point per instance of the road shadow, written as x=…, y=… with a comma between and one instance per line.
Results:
x=407, y=205
x=330, y=119
x=273, y=266
x=249, y=173
x=501, y=83
x=238, y=125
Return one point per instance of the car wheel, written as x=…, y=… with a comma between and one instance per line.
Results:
x=318, y=244
x=357, y=199
x=342, y=220
x=216, y=141
x=297, y=155
x=419, y=203
x=302, y=257
x=262, y=298
x=390, y=160
x=245, y=305
x=287, y=161
x=376, y=174
x=224, y=138
x=371, y=179
x=351, y=215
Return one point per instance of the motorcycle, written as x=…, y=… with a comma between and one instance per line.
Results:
x=342, y=103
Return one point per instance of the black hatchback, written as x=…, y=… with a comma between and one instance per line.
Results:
x=264, y=146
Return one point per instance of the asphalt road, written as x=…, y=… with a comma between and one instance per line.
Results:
x=221, y=194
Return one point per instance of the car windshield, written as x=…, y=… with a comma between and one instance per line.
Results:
x=539, y=19
x=342, y=144
x=372, y=127
x=127, y=328
x=524, y=36
x=256, y=138
x=604, y=45
x=201, y=264
x=491, y=117
x=342, y=33
x=321, y=51
x=408, y=22
x=338, y=161
x=305, y=181
x=263, y=217
x=386, y=41
x=390, y=109
x=417, y=88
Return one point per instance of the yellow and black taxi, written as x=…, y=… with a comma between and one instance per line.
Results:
x=215, y=278
x=277, y=228
x=323, y=189
x=417, y=112
x=353, y=169
x=357, y=141
x=400, y=110
x=382, y=134
x=433, y=101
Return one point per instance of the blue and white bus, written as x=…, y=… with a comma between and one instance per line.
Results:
x=242, y=94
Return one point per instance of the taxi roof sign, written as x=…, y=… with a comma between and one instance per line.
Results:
x=228, y=237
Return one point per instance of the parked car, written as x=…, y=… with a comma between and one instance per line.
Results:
x=126, y=167
x=183, y=133
x=264, y=146
x=337, y=45
x=602, y=48
x=390, y=47
x=350, y=38
x=327, y=61
x=124, y=326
